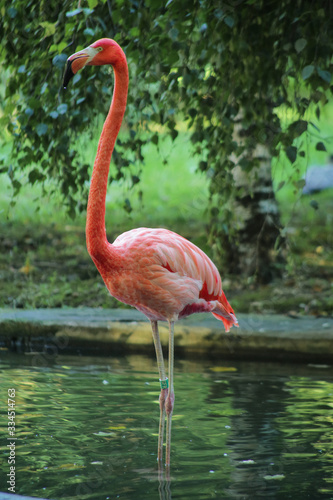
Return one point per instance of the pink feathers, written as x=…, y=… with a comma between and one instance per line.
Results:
x=165, y=276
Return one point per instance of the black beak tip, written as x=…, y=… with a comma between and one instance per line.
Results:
x=68, y=74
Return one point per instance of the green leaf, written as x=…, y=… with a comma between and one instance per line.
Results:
x=29, y=112
x=297, y=128
x=62, y=109
x=41, y=129
x=35, y=176
x=16, y=185
x=324, y=75
x=229, y=21
x=49, y=28
x=154, y=139
x=89, y=32
x=300, y=44
x=87, y=12
x=12, y=12
x=59, y=61
x=245, y=164
x=44, y=87
x=314, y=204
x=320, y=146
x=74, y=12
x=307, y=71
x=291, y=153
x=78, y=77
x=173, y=134
x=173, y=34
x=135, y=179
x=134, y=32
x=127, y=206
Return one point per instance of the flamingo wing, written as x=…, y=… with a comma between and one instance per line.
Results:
x=187, y=259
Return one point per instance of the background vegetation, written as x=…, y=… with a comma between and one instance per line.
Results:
x=229, y=104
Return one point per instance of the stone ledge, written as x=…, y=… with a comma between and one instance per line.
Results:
x=107, y=331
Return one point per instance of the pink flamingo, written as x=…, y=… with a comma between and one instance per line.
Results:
x=157, y=271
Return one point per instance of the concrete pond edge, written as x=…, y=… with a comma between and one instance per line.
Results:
x=113, y=331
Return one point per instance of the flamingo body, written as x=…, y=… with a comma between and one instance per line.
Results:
x=164, y=276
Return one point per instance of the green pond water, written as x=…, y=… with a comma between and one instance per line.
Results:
x=86, y=428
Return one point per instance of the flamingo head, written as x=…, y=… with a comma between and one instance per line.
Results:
x=104, y=51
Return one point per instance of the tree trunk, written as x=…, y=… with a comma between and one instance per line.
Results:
x=252, y=246
x=256, y=252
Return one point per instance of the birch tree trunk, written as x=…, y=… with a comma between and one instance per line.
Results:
x=258, y=220
x=254, y=246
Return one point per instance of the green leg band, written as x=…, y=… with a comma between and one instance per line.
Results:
x=164, y=383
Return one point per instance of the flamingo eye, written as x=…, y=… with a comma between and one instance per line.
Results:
x=99, y=49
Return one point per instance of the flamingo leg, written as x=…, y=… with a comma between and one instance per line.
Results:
x=164, y=391
x=171, y=396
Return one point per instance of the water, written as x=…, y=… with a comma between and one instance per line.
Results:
x=87, y=429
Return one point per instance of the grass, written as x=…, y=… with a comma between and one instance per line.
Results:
x=44, y=263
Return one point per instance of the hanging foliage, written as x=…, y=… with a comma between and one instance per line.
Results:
x=214, y=65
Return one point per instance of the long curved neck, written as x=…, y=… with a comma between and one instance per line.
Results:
x=95, y=226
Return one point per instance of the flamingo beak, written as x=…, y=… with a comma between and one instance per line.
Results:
x=76, y=62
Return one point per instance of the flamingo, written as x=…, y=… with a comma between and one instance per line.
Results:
x=157, y=271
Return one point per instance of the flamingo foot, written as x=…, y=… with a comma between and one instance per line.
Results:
x=169, y=403
x=169, y=409
x=162, y=399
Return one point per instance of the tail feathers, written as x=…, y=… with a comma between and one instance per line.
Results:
x=225, y=313
x=228, y=323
